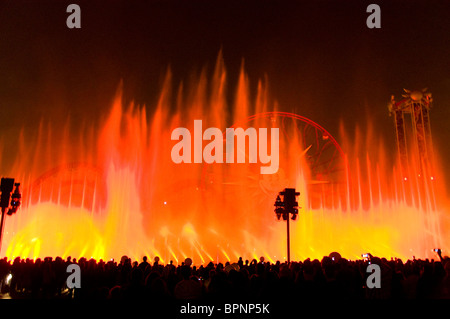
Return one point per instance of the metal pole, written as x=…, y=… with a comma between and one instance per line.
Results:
x=1, y=226
x=288, y=244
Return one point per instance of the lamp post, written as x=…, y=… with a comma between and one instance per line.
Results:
x=9, y=203
x=283, y=209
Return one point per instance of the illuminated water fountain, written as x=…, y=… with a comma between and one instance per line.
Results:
x=115, y=190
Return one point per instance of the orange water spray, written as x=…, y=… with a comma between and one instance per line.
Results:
x=114, y=190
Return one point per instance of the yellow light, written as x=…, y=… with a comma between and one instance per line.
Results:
x=8, y=279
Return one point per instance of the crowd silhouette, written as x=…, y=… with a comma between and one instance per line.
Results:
x=331, y=277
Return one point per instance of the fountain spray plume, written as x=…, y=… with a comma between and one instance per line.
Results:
x=114, y=190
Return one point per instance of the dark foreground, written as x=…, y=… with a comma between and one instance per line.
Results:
x=253, y=281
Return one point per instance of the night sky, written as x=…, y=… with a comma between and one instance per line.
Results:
x=320, y=59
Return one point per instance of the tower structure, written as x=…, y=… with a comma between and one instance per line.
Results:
x=416, y=105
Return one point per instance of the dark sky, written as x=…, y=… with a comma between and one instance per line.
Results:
x=320, y=58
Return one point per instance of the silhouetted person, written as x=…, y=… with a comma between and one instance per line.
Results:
x=240, y=263
x=187, y=288
x=144, y=264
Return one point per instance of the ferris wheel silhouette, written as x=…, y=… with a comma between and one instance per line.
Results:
x=305, y=146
